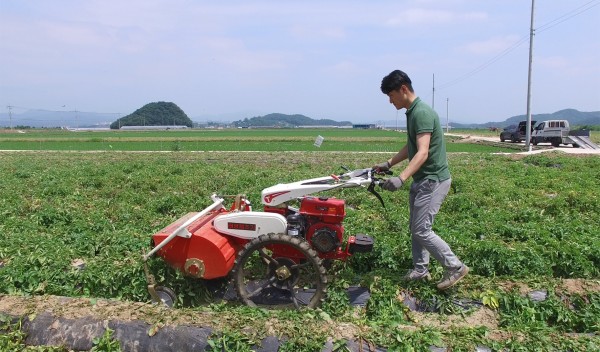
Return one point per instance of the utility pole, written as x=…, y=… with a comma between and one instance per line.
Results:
x=9, y=107
x=447, y=116
x=66, y=122
x=531, y=34
x=433, y=93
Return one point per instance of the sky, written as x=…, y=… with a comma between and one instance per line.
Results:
x=228, y=60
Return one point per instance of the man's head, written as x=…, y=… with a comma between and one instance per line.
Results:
x=398, y=87
x=394, y=81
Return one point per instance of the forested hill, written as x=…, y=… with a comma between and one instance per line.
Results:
x=154, y=114
x=283, y=120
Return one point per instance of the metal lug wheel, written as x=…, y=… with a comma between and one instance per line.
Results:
x=279, y=271
x=166, y=295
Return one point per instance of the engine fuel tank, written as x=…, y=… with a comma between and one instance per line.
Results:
x=329, y=210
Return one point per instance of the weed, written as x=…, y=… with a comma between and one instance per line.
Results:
x=106, y=343
x=230, y=341
x=12, y=338
x=490, y=299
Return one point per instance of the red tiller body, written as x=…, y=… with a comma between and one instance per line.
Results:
x=206, y=254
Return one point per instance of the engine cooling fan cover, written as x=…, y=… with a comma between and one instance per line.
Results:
x=325, y=240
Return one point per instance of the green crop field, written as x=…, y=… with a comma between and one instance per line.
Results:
x=522, y=223
x=224, y=140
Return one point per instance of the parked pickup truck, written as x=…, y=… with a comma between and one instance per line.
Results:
x=555, y=132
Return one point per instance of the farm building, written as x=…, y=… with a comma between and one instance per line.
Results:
x=163, y=127
x=365, y=126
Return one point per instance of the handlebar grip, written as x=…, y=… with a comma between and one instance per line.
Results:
x=382, y=172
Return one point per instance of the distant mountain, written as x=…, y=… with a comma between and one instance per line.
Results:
x=154, y=114
x=38, y=118
x=575, y=118
x=283, y=120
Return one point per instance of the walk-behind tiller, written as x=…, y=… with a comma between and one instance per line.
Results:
x=275, y=257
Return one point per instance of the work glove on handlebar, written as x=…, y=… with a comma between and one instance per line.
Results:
x=382, y=167
x=392, y=184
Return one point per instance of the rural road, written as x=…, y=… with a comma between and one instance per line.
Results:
x=563, y=148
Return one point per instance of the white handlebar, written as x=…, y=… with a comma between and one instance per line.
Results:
x=285, y=192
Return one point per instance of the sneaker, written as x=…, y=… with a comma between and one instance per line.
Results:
x=414, y=275
x=452, y=277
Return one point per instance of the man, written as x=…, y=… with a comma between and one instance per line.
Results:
x=428, y=166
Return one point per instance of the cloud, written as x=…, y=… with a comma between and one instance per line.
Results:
x=317, y=32
x=553, y=62
x=421, y=16
x=344, y=67
x=493, y=45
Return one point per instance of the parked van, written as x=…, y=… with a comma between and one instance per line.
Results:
x=552, y=131
x=515, y=133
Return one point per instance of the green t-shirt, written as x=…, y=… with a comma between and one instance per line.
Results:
x=420, y=118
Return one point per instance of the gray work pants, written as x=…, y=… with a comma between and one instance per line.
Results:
x=426, y=197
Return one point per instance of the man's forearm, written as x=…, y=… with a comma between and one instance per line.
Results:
x=413, y=166
x=399, y=157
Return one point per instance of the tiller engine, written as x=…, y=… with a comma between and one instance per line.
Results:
x=274, y=257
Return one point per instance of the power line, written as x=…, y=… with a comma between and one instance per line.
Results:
x=485, y=64
x=579, y=10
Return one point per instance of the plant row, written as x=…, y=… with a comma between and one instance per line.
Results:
x=76, y=224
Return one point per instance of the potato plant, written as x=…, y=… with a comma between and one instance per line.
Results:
x=75, y=224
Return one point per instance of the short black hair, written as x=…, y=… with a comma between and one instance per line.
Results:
x=394, y=81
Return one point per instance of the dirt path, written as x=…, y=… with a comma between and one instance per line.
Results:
x=466, y=138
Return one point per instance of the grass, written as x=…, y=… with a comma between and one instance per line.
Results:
x=511, y=219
